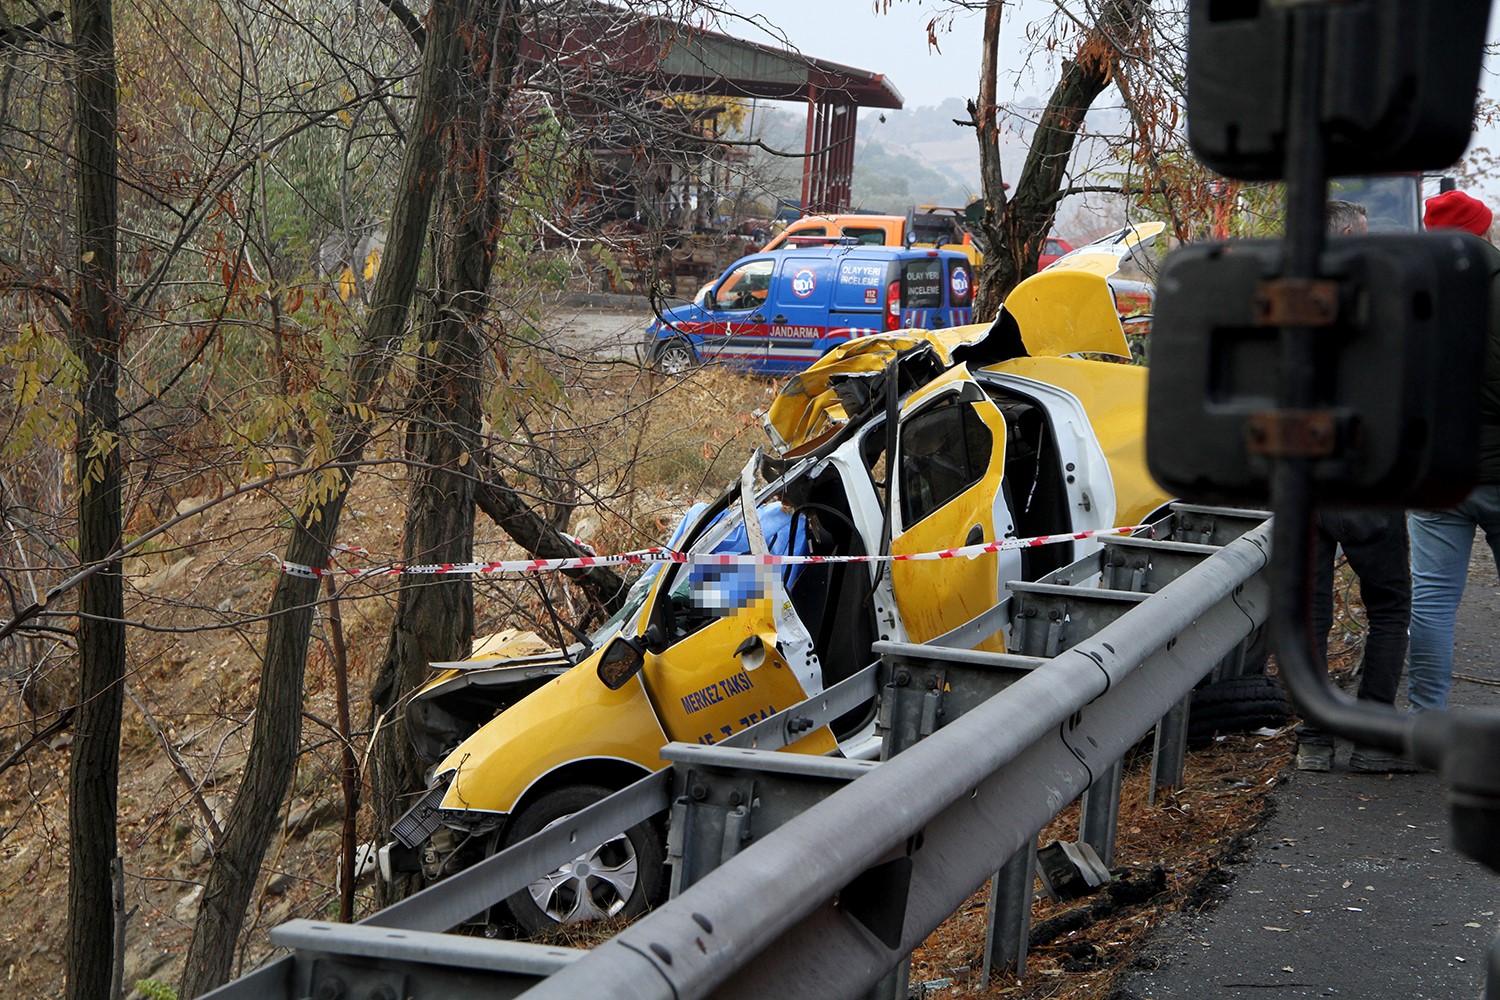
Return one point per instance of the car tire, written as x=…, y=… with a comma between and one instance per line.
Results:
x=1236, y=705
x=674, y=357
x=1258, y=652
x=619, y=878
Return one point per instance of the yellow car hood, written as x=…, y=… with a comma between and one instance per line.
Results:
x=1066, y=309
x=1069, y=308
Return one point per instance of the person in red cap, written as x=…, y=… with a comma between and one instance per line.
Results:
x=1456, y=210
x=1441, y=540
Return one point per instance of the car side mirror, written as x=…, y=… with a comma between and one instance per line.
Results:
x=623, y=658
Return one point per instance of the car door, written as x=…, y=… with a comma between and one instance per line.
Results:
x=950, y=460
x=736, y=652
x=736, y=329
x=797, y=311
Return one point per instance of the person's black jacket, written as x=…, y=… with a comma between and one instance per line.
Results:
x=1489, y=430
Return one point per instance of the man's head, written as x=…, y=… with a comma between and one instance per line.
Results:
x=1456, y=210
x=1345, y=218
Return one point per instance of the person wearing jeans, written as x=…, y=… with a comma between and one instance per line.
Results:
x=1441, y=540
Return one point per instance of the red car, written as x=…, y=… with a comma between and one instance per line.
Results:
x=1054, y=248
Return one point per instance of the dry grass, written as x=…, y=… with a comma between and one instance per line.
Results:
x=645, y=445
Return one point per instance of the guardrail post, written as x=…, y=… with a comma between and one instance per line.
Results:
x=1008, y=927
x=896, y=985
x=1099, y=817
x=907, y=713
x=1169, y=751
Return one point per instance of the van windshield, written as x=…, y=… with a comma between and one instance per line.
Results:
x=745, y=287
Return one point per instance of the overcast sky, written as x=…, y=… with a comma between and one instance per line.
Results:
x=894, y=43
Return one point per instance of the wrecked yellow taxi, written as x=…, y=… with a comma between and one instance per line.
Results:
x=908, y=443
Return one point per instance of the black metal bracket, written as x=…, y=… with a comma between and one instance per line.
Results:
x=1297, y=302
x=1464, y=746
x=1292, y=434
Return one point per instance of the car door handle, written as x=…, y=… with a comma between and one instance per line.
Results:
x=975, y=536
x=757, y=318
x=778, y=319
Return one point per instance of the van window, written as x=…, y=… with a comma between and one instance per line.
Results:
x=944, y=451
x=867, y=237
x=743, y=288
x=861, y=284
x=922, y=283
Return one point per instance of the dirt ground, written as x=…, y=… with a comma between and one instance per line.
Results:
x=195, y=602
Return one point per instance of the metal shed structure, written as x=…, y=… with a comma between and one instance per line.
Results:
x=664, y=55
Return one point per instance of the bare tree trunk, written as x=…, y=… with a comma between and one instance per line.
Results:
x=995, y=273
x=1026, y=217
x=95, y=767
x=278, y=719
x=435, y=616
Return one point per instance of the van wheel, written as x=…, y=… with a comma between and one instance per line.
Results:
x=675, y=357
x=619, y=878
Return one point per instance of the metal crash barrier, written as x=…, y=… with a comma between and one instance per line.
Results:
x=815, y=877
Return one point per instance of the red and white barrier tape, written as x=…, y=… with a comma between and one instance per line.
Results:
x=663, y=555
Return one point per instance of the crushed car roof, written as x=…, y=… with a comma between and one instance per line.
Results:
x=1067, y=309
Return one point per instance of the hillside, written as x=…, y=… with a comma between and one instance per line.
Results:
x=921, y=156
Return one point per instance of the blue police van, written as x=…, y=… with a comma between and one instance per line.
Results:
x=779, y=312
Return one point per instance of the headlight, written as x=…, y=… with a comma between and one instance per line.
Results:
x=419, y=822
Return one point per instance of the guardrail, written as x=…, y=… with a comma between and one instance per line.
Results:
x=797, y=876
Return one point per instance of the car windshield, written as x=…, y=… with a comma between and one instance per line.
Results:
x=1392, y=204
x=634, y=598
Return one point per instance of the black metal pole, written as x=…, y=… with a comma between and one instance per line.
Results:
x=1303, y=671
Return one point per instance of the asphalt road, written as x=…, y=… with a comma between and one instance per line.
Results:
x=594, y=331
x=1351, y=888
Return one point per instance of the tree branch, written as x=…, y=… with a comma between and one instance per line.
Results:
x=408, y=20
x=52, y=728
x=497, y=498
x=13, y=35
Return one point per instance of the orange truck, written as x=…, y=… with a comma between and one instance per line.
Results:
x=923, y=229
x=929, y=226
